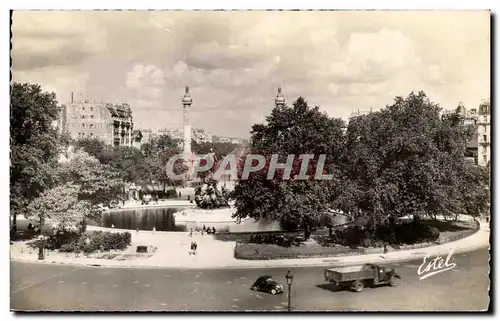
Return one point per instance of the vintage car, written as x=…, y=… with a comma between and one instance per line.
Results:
x=266, y=283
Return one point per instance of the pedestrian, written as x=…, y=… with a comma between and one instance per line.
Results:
x=204, y=227
x=385, y=249
x=213, y=230
x=112, y=226
x=137, y=230
x=191, y=233
x=154, y=230
x=195, y=247
x=192, y=248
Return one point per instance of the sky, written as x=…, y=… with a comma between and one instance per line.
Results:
x=234, y=62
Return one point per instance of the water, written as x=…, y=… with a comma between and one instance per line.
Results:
x=144, y=219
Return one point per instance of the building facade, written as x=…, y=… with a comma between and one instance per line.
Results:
x=110, y=123
x=479, y=147
x=200, y=136
x=484, y=133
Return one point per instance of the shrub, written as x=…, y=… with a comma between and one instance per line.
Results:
x=272, y=251
x=408, y=233
x=98, y=240
x=171, y=193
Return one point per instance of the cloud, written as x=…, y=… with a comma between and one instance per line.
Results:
x=234, y=61
x=53, y=39
x=61, y=81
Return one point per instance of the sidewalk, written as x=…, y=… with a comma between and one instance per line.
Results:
x=173, y=252
x=160, y=203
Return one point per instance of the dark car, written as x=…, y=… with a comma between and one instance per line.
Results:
x=266, y=283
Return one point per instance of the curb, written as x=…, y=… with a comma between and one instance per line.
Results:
x=326, y=261
x=417, y=256
x=380, y=250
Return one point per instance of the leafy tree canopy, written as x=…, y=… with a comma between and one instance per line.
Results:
x=408, y=160
x=295, y=130
x=34, y=144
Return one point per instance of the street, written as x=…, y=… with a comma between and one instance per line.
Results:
x=67, y=288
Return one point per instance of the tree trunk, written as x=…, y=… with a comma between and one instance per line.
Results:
x=13, y=230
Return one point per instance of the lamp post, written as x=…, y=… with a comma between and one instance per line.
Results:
x=41, y=254
x=289, y=281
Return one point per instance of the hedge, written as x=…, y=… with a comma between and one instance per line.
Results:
x=271, y=251
x=98, y=240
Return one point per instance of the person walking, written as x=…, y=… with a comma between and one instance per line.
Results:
x=213, y=230
x=192, y=248
x=195, y=247
x=191, y=233
x=154, y=230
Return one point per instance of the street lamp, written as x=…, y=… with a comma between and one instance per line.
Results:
x=289, y=281
x=41, y=255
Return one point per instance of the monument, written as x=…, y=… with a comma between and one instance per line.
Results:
x=186, y=103
x=188, y=155
x=279, y=101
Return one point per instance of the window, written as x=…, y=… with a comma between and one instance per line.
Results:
x=91, y=134
x=91, y=126
x=485, y=158
x=83, y=125
x=91, y=108
x=485, y=138
x=92, y=116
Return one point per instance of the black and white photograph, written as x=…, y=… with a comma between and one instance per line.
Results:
x=250, y=160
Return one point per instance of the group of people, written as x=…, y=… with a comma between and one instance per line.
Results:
x=205, y=229
x=208, y=230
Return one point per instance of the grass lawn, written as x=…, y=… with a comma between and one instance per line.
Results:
x=251, y=251
x=449, y=231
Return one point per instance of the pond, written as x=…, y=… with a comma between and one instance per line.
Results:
x=143, y=218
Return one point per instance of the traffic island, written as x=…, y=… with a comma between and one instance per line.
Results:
x=320, y=246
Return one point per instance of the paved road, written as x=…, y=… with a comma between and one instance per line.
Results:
x=58, y=288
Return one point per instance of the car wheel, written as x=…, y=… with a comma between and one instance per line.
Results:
x=255, y=288
x=357, y=286
x=273, y=292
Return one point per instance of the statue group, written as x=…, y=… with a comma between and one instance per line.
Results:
x=207, y=196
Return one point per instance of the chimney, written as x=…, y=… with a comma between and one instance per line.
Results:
x=71, y=97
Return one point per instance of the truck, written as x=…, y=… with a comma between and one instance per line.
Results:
x=357, y=277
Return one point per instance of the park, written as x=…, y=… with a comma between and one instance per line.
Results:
x=362, y=206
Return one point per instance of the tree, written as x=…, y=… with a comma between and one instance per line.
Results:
x=62, y=207
x=97, y=148
x=408, y=160
x=34, y=145
x=157, y=153
x=219, y=149
x=291, y=130
x=98, y=184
